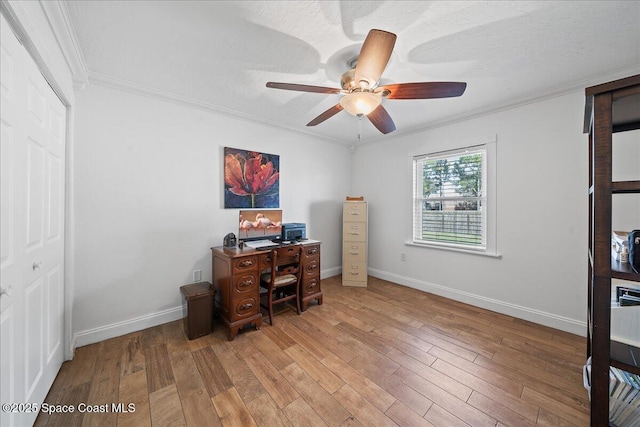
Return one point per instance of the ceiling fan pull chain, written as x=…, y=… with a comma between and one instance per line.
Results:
x=359, y=127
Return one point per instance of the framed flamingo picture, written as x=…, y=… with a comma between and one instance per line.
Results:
x=251, y=179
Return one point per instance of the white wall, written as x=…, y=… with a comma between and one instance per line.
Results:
x=542, y=214
x=626, y=167
x=148, y=186
x=149, y=204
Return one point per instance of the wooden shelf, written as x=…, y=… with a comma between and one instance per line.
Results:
x=623, y=271
x=622, y=187
x=609, y=108
x=625, y=357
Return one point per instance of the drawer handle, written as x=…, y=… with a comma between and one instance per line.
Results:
x=312, y=251
x=246, y=306
x=312, y=286
x=246, y=283
x=355, y=233
x=245, y=263
x=354, y=273
x=354, y=253
x=355, y=213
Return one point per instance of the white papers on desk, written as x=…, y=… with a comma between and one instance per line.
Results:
x=259, y=244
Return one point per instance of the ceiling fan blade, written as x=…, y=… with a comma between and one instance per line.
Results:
x=382, y=120
x=374, y=56
x=424, y=90
x=327, y=114
x=302, y=88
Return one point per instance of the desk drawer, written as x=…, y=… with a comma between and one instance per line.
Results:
x=244, y=283
x=245, y=263
x=311, y=268
x=264, y=262
x=311, y=251
x=354, y=231
x=310, y=286
x=244, y=307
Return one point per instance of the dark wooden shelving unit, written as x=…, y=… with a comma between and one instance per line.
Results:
x=610, y=107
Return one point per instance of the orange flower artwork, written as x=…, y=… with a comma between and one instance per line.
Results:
x=251, y=179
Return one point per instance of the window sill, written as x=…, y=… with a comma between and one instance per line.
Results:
x=483, y=252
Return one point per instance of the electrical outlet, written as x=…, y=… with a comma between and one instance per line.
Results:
x=403, y=256
x=197, y=275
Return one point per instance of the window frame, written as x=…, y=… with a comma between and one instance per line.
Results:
x=489, y=146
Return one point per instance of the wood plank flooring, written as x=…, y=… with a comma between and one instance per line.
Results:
x=385, y=355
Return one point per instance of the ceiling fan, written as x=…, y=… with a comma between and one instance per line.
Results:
x=363, y=96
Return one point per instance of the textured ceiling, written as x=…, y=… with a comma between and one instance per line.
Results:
x=219, y=55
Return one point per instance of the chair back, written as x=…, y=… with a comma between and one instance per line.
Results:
x=285, y=260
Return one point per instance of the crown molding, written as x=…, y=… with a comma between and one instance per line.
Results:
x=161, y=95
x=57, y=14
x=575, y=86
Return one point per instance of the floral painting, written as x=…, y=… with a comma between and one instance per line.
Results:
x=251, y=179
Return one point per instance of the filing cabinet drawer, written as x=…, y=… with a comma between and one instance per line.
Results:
x=354, y=212
x=354, y=231
x=354, y=252
x=355, y=271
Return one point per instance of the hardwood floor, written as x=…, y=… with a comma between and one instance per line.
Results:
x=383, y=355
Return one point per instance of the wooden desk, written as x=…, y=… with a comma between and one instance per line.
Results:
x=236, y=276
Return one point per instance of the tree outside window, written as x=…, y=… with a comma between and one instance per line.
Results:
x=449, y=208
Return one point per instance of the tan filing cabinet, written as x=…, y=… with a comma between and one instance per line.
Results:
x=354, y=244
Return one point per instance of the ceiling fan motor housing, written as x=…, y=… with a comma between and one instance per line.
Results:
x=349, y=83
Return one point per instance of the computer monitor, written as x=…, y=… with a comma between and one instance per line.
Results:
x=258, y=224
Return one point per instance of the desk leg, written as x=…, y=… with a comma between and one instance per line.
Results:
x=233, y=330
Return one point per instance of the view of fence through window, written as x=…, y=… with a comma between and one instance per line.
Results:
x=448, y=199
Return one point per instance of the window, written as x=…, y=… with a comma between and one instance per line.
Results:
x=452, y=202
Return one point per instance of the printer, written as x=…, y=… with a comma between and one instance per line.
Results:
x=293, y=231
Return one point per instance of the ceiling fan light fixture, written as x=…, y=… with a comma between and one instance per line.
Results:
x=360, y=102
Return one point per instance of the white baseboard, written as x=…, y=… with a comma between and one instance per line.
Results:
x=117, y=329
x=330, y=272
x=540, y=317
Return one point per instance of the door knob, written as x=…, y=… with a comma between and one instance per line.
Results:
x=36, y=265
x=6, y=291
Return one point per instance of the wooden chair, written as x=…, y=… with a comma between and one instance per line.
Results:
x=282, y=282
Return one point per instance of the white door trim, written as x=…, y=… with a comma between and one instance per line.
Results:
x=35, y=42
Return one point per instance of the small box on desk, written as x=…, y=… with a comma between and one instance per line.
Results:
x=197, y=308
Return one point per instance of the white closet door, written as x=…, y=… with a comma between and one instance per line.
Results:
x=33, y=123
